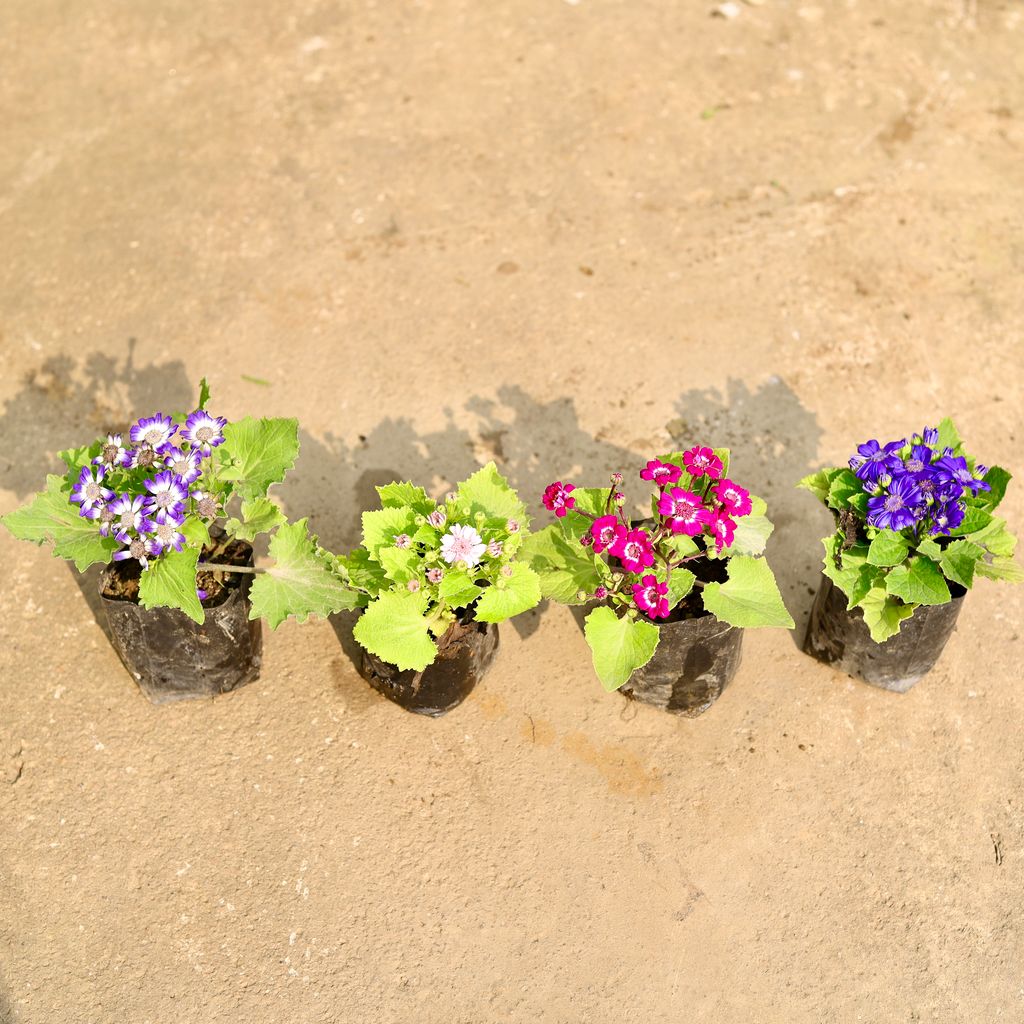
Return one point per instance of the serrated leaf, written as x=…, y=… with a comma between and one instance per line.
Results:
x=489, y=492
x=458, y=589
x=300, y=582
x=919, y=581
x=752, y=531
x=995, y=538
x=959, y=560
x=402, y=493
x=976, y=520
x=997, y=478
x=258, y=516
x=681, y=546
x=76, y=458
x=400, y=564
x=50, y=517
x=170, y=582
x=680, y=583
x=509, y=595
x=619, y=645
x=195, y=532
x=592, y=500
x=888, y=548
x=363, y=571
x=204, y=393
x=883, y=614
x=257, y=453
x=749, y=598
x=1002, y=569
x=820, y=483
x=949, y=436
x=564, y=566
x=395, y=628
x=382, y=526
x=845, y=485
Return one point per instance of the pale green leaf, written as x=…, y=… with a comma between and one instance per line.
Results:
x=883, y=614
x=403, y=493
x=564, y=566
x=949, y=436
x=752, y=531
x=888, y=548
x=959, y=561
x=400, y=564
x=170, y=582
x=257, y=453
x=919, y=581
x=204, y=393
x=619, y=645
x=509, y=595
x=680, y=583
x=382, y=526
x=260, y=515
x=489, y=492
x=395, y=628
x=1002, y=569
x=301, y=581
x=749, y=598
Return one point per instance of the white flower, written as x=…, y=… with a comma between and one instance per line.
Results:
x=462, y=544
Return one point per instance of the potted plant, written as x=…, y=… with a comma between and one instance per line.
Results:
x=433, y=579
x=672, y=592
x=915, y=527
x=171, y=509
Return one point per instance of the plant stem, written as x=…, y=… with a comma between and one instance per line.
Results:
x=220, y=567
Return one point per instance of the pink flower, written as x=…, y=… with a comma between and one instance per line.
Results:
x=735, y=499
x=556, y=498
x=661, y=473
x=685, y=511
x=403, y=540
x=601, y=593
x=723, y=529
x=438, y=517
x=650, y=597
x=462, y=544
x=513, y=524
x=413, y=585
x=635, y=552
x=608, y=534
x=702, y=462
x=494, y=549
x=435, y=575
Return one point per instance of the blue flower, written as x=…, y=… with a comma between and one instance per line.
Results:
x=928, y=436
x=954, y=468
x=872, y=460
x=204, y=431
x=900, y=508
x=947, y=516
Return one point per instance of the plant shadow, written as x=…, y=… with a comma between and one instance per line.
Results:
x=774, y=441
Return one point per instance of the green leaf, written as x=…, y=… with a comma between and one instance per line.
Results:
x=395, y=628
x=509, y=595
x=400, y=564
x=50, y=516
x=619, y=645
x=363, y=571
x=196, y=532
x=204, y=393
x=1002, y=569
x=680, y=583
x=883, y=614
x=681, y=545
x=564, y=566
x=949, y=436
x=997, y=478
x=402, y=493
x=919, y=581
x=382, y=526
x=489, y=492
x=300, y=582
x=749, y=598
x=257, y=453
x=820, y=483
x=259, y=516
x=844, y=487
x=170, y=582
x=76, y=458
x=976, y=520
x=856, y=576
x=726, y=457
x=592, y=500
x=458, y=589
x=752, y=531
x=959, y=560
x=888, y=548
x=994, y=537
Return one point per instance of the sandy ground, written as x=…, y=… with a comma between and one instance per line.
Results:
x=558, y=234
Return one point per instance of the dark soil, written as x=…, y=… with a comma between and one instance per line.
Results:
x=121, y=582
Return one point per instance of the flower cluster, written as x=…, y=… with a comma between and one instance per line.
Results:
x=141, y=493
x=915, y=485
x=693, y=500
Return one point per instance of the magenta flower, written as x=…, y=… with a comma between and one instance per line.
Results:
x=735, y=498
x=723, y=529
x=601, y=593
x=684, y=510
x=608, y=535
x=702, y=462
x=636, y=552
x=650, y=597
x=661, y=473
x=557, y=498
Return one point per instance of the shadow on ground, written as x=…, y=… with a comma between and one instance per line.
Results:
x=774, y=442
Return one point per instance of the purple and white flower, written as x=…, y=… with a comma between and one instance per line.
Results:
x=113, y=453
x=204, y=431
x=129, y=514
x=153, y=431
x=168, y=493
x=136, y=549
x=186, y=465
x=207, y=504
x=164, y=533
x=462, y=544
x=89, y=491
x=144, y=457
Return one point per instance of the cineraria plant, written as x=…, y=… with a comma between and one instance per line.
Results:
x=913, y=516
x=641, y=572
x=154, y=495
x=423, y=563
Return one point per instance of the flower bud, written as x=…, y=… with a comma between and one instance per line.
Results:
x=513, y=526
x=619, y=499
x=413, y=585
x=507, y=570
x=601, y=593
x=403, y=540
x=438, y=517
x=616, y=479
x=581, y=595
x=616, y=577
x=435, y=575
